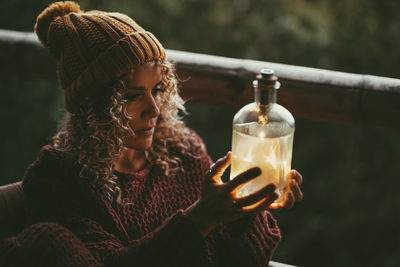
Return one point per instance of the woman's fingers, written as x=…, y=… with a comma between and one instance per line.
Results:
x=289, y=200
x=261, y=205
x=295, y=175
x=297, y=194
x=223, y=163
x=242, y=178
x=218, y=168
x=256, y=197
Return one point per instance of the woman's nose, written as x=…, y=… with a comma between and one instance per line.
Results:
x=152, y=109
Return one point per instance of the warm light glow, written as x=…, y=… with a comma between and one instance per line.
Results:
x=262, y=119
x=272, y=155
x=253, y=206
x=275, y=205
x=248, y=159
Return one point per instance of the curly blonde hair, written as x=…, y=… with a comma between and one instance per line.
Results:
x=94, y=136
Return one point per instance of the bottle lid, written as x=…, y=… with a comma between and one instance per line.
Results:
x=265, y=73
x=267, y=77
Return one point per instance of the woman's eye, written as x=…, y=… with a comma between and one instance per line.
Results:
x=131, y=97
x=158, y=90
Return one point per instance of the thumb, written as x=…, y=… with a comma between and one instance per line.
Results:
x=219, y=167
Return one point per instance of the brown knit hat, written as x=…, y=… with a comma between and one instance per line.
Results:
x=93, y=49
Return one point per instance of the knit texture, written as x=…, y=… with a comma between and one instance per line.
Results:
x=46, y=244
x=151, y=230
x=93, y=49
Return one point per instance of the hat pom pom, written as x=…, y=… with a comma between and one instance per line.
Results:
x=55, y=10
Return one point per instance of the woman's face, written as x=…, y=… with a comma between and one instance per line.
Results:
x=143, y=92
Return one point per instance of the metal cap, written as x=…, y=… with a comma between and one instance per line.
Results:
x=267, y=77
x=265, y=73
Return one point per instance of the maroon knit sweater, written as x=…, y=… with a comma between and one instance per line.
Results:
x=73, y=225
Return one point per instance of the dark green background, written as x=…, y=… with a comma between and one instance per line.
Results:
x=350, y=212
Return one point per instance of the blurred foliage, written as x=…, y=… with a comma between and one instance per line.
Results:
x=29, y=111
x=349, y=216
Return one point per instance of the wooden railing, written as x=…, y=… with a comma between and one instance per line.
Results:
x=312, y=94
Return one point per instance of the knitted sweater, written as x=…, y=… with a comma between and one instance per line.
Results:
x=73, y=225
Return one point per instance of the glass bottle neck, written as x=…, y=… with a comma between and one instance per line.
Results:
x=265, y=96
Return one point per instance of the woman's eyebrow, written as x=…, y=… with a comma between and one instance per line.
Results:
x=141, y=87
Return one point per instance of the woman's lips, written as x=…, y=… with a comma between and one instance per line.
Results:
x=145, y=132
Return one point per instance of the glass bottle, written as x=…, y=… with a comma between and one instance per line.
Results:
x=263, y=136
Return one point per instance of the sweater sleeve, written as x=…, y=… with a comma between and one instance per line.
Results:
x=45, y=244
x=175, y=243
x=51, y=196
x=250, y=241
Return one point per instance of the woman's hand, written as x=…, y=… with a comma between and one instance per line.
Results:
x=293, y=193
x=218, y=202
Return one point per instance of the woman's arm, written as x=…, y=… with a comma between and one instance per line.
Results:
x=45, y=244
x=249, y=241
x=175, y=243
x=51, y=195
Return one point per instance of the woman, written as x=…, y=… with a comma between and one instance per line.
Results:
x=125, y=182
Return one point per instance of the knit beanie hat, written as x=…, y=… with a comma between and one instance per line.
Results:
x=93, y=49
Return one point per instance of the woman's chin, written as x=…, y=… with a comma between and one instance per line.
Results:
x=140, y=144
